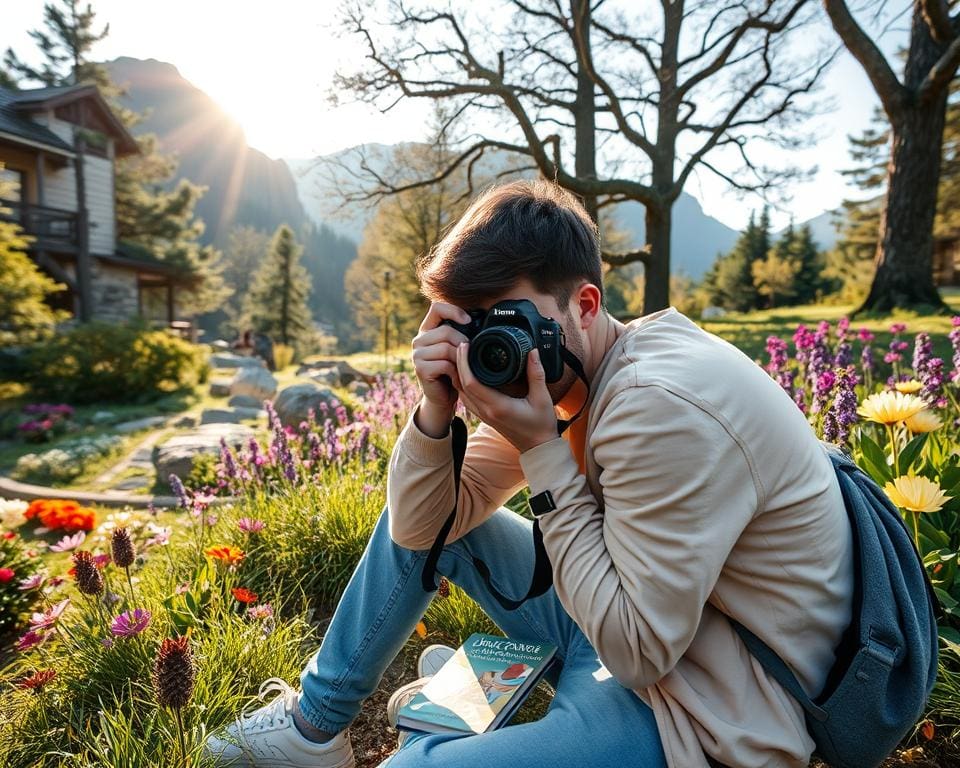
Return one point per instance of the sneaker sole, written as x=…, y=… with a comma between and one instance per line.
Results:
x=425, y=654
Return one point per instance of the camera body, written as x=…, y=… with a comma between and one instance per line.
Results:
x=503, y=336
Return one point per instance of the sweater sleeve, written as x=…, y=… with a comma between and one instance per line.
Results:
x=420, y=483
x=635, y=573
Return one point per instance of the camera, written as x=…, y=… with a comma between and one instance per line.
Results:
x=503, y=336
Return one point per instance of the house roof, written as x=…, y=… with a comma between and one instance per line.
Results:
x=13, y=124
x=35, y=99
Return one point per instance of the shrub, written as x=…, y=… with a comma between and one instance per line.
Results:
x=282, y=356
x=70, y=459
x=16, y=565
x=99, y=361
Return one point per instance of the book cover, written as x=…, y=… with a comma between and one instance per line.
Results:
x=480, y=687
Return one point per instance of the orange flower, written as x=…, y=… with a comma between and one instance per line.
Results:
x=61, y=514
x=244, y=595
x=229, y=555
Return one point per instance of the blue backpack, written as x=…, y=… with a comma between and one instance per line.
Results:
x=886, y=663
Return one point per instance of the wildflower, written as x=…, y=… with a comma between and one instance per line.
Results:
x=843, y=411
x=30, y=640
x=244, y=595
x=925, y=421
x=898, y=328
x=161, y=535
x=250, y=525
x=37, y=681
x=6, y=575
x=444, y=588
x=49, y=617
x=933, y=382
x=68, y=543
x=130, y=623
x=917, y=494
x=225, y=553
x=89, y=580
x=824, y=386
x=173, y=673
x=264, y=611
x=890, y=407
x=176, y=485
x=9, y=535
x=11, y=512
x=107, y=642
x=122, y=547
x=910, y=387
x=102, y=560
x=227, y=460
x=32, y=582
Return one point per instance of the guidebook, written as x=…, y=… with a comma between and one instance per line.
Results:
x=480, y=687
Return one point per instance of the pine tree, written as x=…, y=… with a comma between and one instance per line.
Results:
x=277, y=302
x=729, y=283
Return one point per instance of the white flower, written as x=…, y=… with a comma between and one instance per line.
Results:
x=11, y=512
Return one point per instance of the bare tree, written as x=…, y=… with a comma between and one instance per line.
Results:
x=578, y=91
x=916, y=109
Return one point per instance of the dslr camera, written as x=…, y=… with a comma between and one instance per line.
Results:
x=503, y=336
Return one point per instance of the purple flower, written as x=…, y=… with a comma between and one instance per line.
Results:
x=68, y=543
x=263, y=611
x=250, y=525
x=130, y=623
x=32, y=582
x=843, y=411
x=30, y=640
x=898, y=328
x=824, y=386
x=49, y=617
x=176, y=485
x=865, y=336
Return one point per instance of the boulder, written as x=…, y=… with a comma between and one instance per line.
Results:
x=244, y=401
x=220, y=345
x=103, y=417
x=294, y=402
x=185, y=421
x=230, y=360
x=346, y=373
x=254, y=382
x=176, y=454
x=326, y=376
x=137, y=424
x=219, y=387
x=359, y=388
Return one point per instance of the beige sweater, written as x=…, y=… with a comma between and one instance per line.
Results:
x=706, y=493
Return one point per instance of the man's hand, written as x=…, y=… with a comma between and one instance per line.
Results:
x=435, y=363
x=525, y=421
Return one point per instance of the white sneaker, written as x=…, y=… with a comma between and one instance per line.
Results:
x=398, y=698
x=268, y=738
x=432, y=658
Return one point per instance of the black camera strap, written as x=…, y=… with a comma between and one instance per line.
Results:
x=542, y=570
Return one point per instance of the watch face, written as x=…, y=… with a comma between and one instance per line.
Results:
x=542, y=503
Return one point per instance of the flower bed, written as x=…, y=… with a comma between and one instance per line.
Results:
x=68, y=461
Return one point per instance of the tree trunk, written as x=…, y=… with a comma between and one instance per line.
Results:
x=656, y=268
x=585, y=129
x=904, y=258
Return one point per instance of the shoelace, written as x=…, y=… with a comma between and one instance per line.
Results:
x=268, y=717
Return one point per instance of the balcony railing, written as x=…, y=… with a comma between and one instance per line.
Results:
x=52, y=228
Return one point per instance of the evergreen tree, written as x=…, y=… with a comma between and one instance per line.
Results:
x=327, y=256
x=775, y=276
x=277, y=301
x=25, y=317
x=729, y=282
x=150, y=215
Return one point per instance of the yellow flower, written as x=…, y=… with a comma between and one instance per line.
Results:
x=916, y=494
x=925, y=421
x=890, y=407
x=909, y=387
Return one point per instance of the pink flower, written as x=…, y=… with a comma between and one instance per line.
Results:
x=32, y=582
x=6, y=574
x=30, y=640
x=69, y=542
x=49, y=617
x=130, y=623
x=101, y=561
x=264, y=611
x=160, y=538
x=250, y=525
x=898, y=328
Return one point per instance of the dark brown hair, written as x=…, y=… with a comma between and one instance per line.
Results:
x=530, y=229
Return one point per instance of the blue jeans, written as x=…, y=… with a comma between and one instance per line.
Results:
x=592, y=720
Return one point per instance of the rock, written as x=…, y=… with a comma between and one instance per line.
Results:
x=220, y=345
x=229, y=416
x=176, y=454
x=102, y=417
x=293, y=403
x=254, y=382
x=359, y=388
x=220, y=387
x=230, y=360
x=133, y=484
x=185, y=421
x=346, y=373
x=137, y=424
x=244, y=401
x=328, y=376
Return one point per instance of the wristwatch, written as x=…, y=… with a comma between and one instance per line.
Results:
x=542, y=503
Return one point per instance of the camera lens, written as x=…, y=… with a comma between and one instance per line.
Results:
x=498, y=355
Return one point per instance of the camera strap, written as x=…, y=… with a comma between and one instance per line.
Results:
x=542, y=570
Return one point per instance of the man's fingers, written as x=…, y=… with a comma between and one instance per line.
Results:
x=433, y=369
x=537, y=392
x=442, y=334
x=442, y=311
x=473, y=387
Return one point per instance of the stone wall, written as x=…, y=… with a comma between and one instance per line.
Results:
x=114, y=293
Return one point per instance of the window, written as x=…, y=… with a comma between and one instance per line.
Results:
x=11, y=185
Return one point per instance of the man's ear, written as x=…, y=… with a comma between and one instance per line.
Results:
x=587, y=302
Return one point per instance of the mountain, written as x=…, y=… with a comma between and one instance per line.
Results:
x=244, y=185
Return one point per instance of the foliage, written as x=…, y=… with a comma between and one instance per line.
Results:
x=245, y=250
x=67, y=461
x=276, y=303
x=102, y=361
x=44, y=421
x=283, y=356
x=17, y=563
x=729, y=282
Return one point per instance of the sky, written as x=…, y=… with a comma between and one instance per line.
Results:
x=270, y=66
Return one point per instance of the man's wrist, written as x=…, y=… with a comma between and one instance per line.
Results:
x=433, y=420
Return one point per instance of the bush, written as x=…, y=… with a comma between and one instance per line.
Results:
x=16, y=564
x=98, y=361
x=68, y=461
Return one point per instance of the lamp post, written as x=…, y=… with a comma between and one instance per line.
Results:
x=386, y=316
